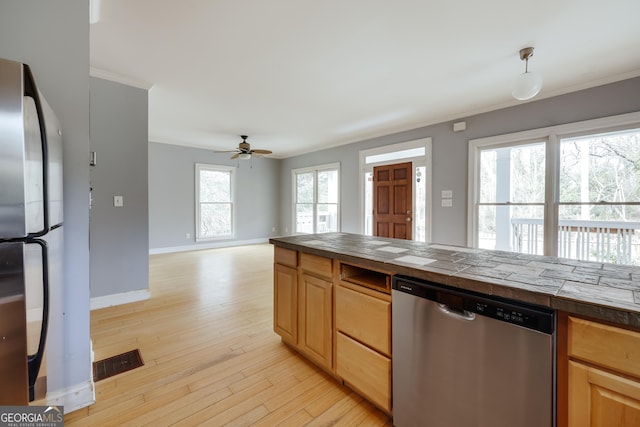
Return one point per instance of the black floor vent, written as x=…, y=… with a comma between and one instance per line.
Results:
x=115, y=365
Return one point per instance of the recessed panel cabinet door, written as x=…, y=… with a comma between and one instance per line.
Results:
x=285, y=295
x=316, y=338
x=602, y=399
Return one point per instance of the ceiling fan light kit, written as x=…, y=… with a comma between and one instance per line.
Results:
x=244, y=151
x=529, y=83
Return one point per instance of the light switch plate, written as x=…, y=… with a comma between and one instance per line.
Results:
x=447, y=203
x=118, y=201
x=447, y=194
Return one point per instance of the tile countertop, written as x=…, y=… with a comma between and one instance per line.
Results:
x=602, y=291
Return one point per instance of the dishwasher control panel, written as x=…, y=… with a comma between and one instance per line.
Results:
x=515, y=312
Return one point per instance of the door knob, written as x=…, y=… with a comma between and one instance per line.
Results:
x=409, y=219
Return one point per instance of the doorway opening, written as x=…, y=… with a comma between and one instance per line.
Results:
x=418, y=153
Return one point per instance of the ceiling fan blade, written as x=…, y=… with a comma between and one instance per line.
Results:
x=261, y=152
x=235, y=156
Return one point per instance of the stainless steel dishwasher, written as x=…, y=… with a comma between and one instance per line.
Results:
x=467, y=359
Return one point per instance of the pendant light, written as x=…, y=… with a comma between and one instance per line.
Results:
x=529, y=83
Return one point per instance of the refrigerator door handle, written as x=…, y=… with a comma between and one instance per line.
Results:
x=30, y=90
x=34, y=361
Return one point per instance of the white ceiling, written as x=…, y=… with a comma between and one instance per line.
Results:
x=301, y=75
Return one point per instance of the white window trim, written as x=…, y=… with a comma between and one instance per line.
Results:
x=232, y=170
x=294, y=195
x=552, y=136
x=425, y=161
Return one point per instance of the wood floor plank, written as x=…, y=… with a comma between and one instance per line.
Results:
x=211, y=356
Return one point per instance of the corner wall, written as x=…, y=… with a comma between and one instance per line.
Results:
x=119, y=236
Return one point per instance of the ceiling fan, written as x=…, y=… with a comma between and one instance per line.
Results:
x=244, y=151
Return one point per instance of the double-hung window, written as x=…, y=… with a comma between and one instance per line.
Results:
x=214, y=202
x=316, y=195
x=571, y=191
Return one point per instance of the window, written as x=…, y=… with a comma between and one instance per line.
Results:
x=599, y=212
x=214, y=202
x=571, y=191
x=512, y=189
x=316, y=199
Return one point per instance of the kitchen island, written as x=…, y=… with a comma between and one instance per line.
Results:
x=321, y=280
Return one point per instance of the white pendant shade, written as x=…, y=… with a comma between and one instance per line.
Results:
x=527, y=85
x=245, y=156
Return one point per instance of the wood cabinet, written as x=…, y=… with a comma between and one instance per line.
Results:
x=303, y=304
x=285, y=294
x=365, y=370
x=363, y=333
x=338, y=316
x=316, y=326
x=285, y=303
x=365, y=318
x=603, y=375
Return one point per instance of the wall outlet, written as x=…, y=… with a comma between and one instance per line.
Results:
x=118, y=201
x=187, y=236
x=273, y=229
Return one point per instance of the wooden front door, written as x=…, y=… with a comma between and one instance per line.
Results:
x=393, y=201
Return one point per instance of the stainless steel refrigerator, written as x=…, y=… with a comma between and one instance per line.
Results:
x=30, y=230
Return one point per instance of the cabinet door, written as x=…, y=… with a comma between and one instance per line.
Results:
x=285, y=303
x=315, y=319
x=601, y=399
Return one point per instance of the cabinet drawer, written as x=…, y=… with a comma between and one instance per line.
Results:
x=315, y=264
x=365, y=370
x=364, y=318
x=607, y=346
x=286, y=257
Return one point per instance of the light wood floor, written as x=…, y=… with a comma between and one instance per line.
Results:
x=210, y=354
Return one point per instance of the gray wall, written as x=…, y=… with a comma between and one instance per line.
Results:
x=450, y=152
x=172, y=196
x=53, y=38
x=119, y=241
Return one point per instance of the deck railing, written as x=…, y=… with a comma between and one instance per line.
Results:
x=603, y=241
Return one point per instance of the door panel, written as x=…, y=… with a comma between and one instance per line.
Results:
x=13, y=350
x=315, y=336
x=393, y=201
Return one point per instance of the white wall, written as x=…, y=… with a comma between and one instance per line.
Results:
x=450, y=151
x=53, y=38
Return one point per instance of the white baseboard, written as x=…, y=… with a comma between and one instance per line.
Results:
x=74, y=397
x=207, y=245
x=77, y=396
x=118, y=299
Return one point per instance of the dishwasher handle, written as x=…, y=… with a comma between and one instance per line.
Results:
x=457, y=313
